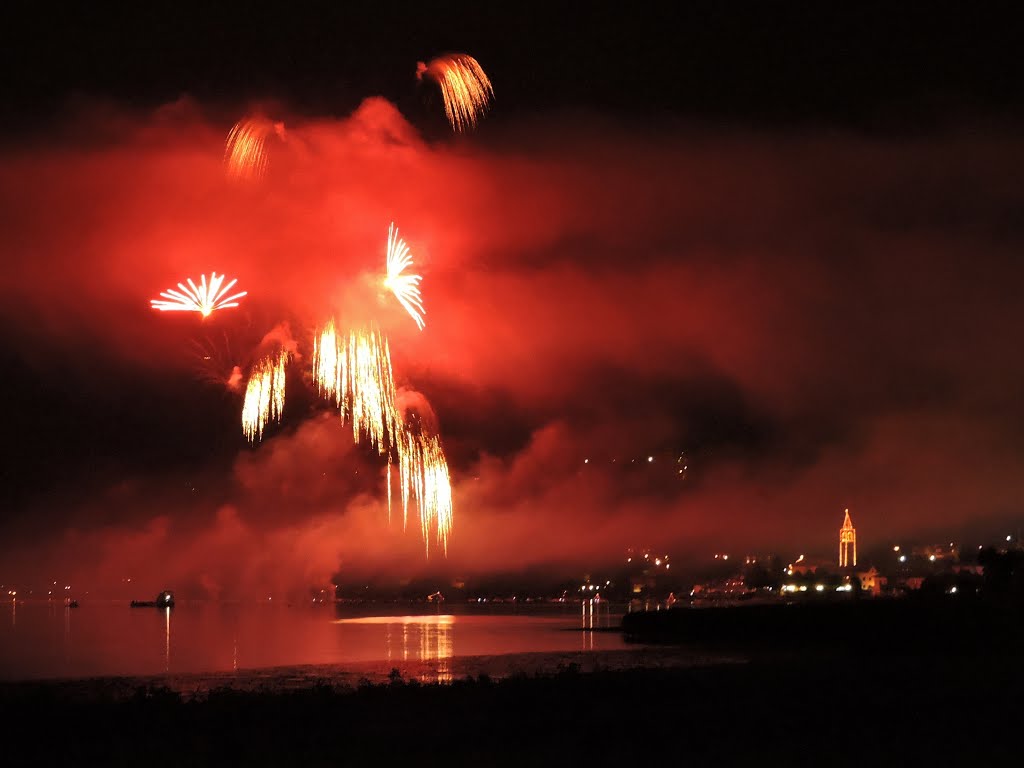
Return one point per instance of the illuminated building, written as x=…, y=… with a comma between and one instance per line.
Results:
x=724, y=591
x=847, y=543
x=803, y=566
x=974, y=568
x=913, y=582
x=644, y=567
x=871, y=581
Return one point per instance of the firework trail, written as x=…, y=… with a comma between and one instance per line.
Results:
x=327, y=363
x=245, y=155
x=423, y=476
x=356, y=374
x=464, y=85
x=264, y=396
x=203, y=298
x=405, y=287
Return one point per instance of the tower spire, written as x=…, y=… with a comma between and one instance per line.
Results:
x=847, y=543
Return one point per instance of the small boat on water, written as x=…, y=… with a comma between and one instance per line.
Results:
x=70, y=603
x=164, y=600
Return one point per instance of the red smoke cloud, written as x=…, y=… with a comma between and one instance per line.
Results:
x=817, y=323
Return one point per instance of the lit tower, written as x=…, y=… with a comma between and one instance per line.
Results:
x=847, y=543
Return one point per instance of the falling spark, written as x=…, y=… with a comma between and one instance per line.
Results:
x=326, y=362
x=245, y=155
x=464, y=85
x=423, y=476
x=356, y=373
x=264, y=396
x=203, y=298
x=405, y=287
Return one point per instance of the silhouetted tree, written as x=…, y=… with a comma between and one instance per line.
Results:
x=756, y=576
x=1003, y=578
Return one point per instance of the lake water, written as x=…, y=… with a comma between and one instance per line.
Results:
x=198, y=645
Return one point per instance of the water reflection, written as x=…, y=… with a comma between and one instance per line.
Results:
x=110, y=638
x=429, y=638
x=67, y=634
x=167, y=639
x=596, y=614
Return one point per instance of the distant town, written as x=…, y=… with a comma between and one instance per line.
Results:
x=645, y=579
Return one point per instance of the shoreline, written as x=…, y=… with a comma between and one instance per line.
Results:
x=341, y=676
x=939, y=708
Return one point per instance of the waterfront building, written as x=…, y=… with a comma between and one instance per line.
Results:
x=871, y=581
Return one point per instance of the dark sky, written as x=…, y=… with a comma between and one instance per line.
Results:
x=773, y=243
x=747, y=62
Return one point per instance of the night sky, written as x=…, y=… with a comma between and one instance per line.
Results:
x=696, y=282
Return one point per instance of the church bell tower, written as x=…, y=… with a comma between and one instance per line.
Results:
x=847, y=543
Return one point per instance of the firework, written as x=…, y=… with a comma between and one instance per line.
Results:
x=424, y=478
x=327, y=362
x=264, y=396
x=203, y=298
x=405, y=287
x=464, y=85
x=356, y=373
x=245, y=155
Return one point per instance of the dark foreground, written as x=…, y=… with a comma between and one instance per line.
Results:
x=820, y=708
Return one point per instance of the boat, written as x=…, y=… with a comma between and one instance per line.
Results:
x=164, y=600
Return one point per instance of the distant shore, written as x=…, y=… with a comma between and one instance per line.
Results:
x=862, y=626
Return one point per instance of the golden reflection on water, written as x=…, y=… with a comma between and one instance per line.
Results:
x=587, y=608
x=595, y=614
x=167, y=639
x=428, y=638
